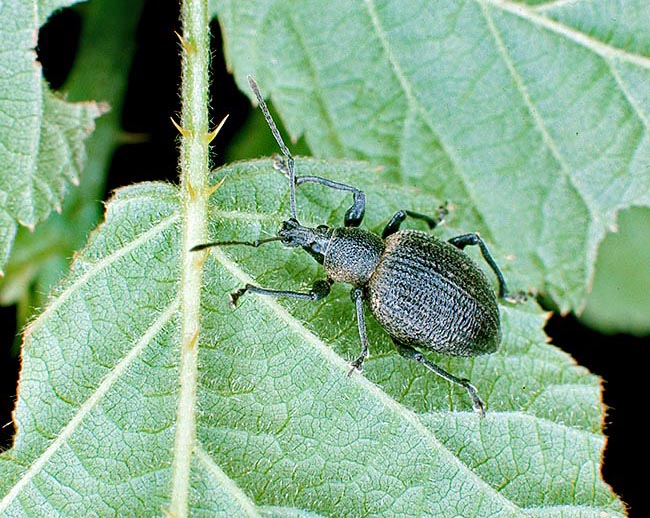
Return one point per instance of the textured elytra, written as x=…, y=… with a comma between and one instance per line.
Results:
x=427, y=293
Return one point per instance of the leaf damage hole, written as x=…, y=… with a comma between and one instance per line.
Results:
x=58, y=42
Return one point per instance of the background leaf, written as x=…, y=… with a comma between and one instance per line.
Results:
x=620, y=300
x=281, y=430
x=42, y=134
x=546, y=106
x=41, y=257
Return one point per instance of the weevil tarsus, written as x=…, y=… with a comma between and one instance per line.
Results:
x=409, y=352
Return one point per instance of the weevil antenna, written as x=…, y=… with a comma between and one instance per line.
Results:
x=278, y=139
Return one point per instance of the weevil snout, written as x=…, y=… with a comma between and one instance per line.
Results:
x=313, y=240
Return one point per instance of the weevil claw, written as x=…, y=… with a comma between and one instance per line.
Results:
x=233, y=297
x=519, y=296
x=356, y=365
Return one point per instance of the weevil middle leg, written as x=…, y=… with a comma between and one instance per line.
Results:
x=357, y=297
x=398, y=218
x=473, y=239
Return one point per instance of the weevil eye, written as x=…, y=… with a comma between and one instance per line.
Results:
x=290, y=224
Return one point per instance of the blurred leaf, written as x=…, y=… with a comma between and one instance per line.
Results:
x=532, y=119
x=41, y=135
x=40, y=258
x=281, y=430
x=620, y=300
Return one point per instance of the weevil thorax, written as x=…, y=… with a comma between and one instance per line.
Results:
x=347, y=254
x=352, y=255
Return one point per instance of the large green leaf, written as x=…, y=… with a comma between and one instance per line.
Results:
x=281, y=430
x=533, y=119
x=41, y=134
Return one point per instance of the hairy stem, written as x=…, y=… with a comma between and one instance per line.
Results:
x=194, y=164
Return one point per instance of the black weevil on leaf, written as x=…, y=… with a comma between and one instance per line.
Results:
x=425, y=293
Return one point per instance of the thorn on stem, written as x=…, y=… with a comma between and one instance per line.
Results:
x=212, y=189
x=181, y=130
x=210, y=136
x=184, y=43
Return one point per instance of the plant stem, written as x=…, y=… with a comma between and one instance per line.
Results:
x=194, y=165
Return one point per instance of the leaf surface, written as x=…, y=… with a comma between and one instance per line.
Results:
x=41, y=135
x=281, y=430
x=532, y=118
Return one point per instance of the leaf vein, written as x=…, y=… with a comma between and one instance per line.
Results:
x=605, y=50
x=329, y=121
x=112, y=376
x=532, y=109
x=645, y=119
x=247, y=505
x=417, y=107
x=97, y=267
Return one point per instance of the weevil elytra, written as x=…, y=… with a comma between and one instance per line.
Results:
x=426, y=293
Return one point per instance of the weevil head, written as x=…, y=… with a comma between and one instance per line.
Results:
x=314, y=240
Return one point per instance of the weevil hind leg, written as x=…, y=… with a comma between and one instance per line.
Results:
x=412, y=354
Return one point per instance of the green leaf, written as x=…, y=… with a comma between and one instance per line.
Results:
x=620, y=300
x=281, y=430
x=41, y=257
x=532, y=119
x=41, y=134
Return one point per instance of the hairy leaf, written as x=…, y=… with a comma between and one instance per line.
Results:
x=281, y=430
x=518, y=113
x=41, y=134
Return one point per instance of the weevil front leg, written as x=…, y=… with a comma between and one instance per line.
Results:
x=320, y=289
x=408, y=352
x=354, y=215
x=357, y=297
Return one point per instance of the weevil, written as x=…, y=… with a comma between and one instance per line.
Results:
x=426, y=293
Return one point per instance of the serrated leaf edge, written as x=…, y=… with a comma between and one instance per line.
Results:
x=97, y=267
